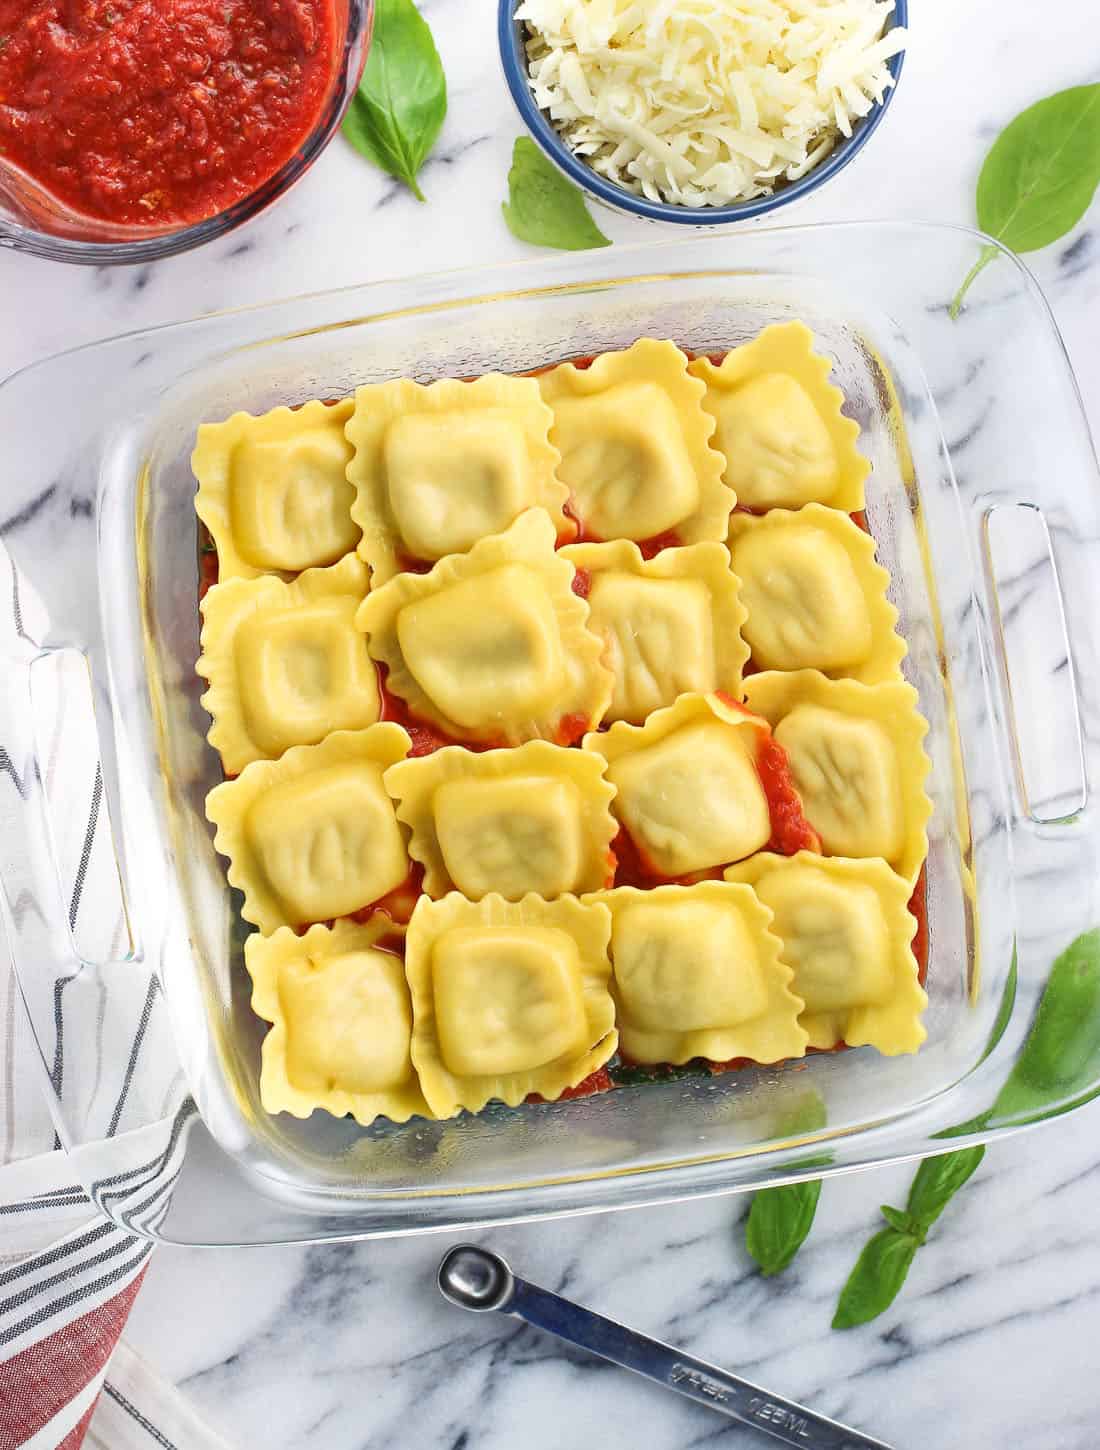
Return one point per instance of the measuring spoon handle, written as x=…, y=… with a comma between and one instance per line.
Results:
x=699, y=1381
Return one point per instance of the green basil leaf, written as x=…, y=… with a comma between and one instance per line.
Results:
x=1061, y=1056
x=903, y=1221
x=396, y=114
x=936, y=1182
x=779, y=1220
x=1039, y=176
x=545, y=208
x=876, y=1280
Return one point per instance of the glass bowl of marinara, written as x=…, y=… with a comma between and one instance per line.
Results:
x=136, y=129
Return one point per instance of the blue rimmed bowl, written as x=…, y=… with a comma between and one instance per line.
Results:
x=512, y=36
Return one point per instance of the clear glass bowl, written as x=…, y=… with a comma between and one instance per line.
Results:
x=33, y=220
x=168, y=1134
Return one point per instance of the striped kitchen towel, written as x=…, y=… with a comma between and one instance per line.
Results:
x=68, y=1273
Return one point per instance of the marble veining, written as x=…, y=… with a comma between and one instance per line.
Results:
x=342, y=1346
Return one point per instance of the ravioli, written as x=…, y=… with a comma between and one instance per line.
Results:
x=509, y=998
x=635, y=446
x=697, y=973
x=285, y=663
x=856, y=759
x=437, y=468
x=816, y=598
x=846, y=932
x=535, y=819
x=687, y=787
x=779, y=423
x=670, y=625
x=273, y=490
x=341, y=1019
x=492, y=646
x=313, y=835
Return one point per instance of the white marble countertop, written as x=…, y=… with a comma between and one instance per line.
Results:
x=350, y=1346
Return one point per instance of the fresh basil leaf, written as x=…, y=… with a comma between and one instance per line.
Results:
x=1039, y=176
x=876, y=1280
x=903, y=1221
x=937, y=1180
x=779, y=1220
x=1061, y=1056
x=545, y=208
x=396, y=114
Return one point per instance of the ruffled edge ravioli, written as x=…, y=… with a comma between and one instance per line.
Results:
x=893, y=705
x=266, y=957
x=413, y=785
x=894, y=1025
x=888, y=649
x=228, y=804
x=623, y=740
x=650, y=360
x=709, y=564
x=378, y=405
x=771, y=1036
x=588, y=925
x=210, y=463
x=787, y=348
x=224, y=609
x=529, y=542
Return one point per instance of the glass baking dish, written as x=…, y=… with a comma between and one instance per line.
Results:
x=984, y=504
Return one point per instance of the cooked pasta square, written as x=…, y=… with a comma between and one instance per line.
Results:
x=814, y=595
x=492, y=646
x=687, y=784
x=509, y=998
x=313, y=835
x=856, y=760
x=437, y=468
x=697, y=973
x=635, y=446
x=846, y=932
x=669, y=624
x=285, y=664
x=273, y=490
x=536, y=819
x=341, y=1020
x=779, y=424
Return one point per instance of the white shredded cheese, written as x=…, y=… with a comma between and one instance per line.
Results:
x=705, y=102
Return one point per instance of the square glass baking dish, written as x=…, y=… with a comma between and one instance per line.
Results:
x=984, y=504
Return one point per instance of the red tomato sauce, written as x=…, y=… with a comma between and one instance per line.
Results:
x=918, y=910
x=670, y=539
x=427, y=737
x=791, y=831
x=153, y=112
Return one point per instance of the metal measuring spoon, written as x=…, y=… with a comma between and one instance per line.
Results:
x=474, y=1278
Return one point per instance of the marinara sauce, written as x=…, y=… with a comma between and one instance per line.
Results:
x=152, y=112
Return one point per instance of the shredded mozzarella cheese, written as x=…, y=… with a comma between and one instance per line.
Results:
x=705, y=102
